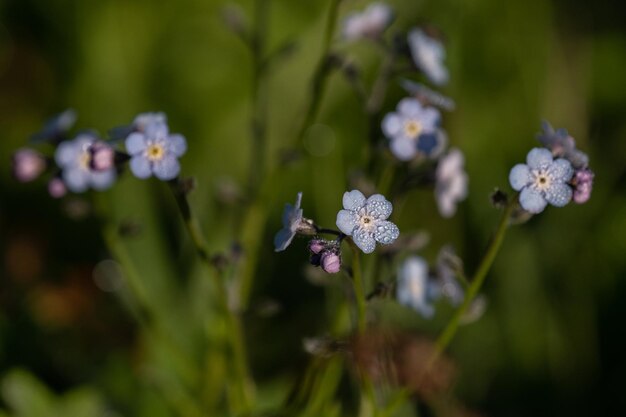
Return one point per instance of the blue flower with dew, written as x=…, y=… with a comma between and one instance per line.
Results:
x=562, y=145
x=74, y=159
x=428, y=54
x=414, y=287
x=542, y=180
x=292, y=224
x=413, y=130
x=369, y=24
x=155, y=152
x=365, y=219
x=451, y=182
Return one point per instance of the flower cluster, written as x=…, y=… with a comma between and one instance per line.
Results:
x=552, y=175
x=87, y=161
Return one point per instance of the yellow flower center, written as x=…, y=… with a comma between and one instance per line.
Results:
x=84, y=160
x=412, y=128
x=155, y=152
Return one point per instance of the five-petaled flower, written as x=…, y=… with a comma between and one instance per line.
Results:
x=562, y=145
x=428, y=54
x=542, y=180
x=155, y=151
x=366, y=220
x=413, y=130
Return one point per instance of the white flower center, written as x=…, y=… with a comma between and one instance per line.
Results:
x=542, y=181
x=366, y=222
x=412, y=128
x=155, y=152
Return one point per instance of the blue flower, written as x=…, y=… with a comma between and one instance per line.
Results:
x=155, y=152
x=292, y=219
x=74, y=159
x=562, y=145
x=56, y=128
x=139, y=124
x=413, y=130
x=415, y=289
x=371, y=23
x=542, y=180
x=451, y=182
x=366, y=220
x=428, y=54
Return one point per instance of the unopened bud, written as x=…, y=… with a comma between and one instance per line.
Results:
x=102, y=156
x=28, y=164
x=57, y=188
x=330, y=262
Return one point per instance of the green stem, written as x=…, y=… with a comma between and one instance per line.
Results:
x=477, y=281
x=357, y=281
x=320, y=76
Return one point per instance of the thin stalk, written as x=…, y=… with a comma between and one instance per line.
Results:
x=475, y=285
x=357, y=281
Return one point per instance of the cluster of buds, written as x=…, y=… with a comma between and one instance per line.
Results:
x=326, y=254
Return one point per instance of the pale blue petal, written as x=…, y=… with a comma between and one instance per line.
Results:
x=353, y=200
x=532, y=201
x=103, y=179
x=386, y=232
x=413, y=286
x=167, y=168
x=430, y=118
x=539, y=158
x=282, y=239
x=364, y=240
x=136, y=143
x=378, y=207
x=519, y=177
x=140, y=167
x=67, y=154
x=177, y=144
x=559, y=194
x=76, y=179
x=561, y=170
x=410, y=108
x=403, y=148
x=157, y=131
x=347, y=221
x=392, y=125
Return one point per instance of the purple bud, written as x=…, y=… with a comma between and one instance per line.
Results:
x=102, y=156
x=330, y=262
x=28, y=164
x=57, y=188
x=583, y=184
x=317, y=245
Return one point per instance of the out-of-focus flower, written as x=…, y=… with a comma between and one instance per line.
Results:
x=562, y=145
x=366, y=220
x=155, y=152
x=293, y=223
x=317, y=245
x=56, y=128
x=28, y=164
x=448, y=267
x=370, y=23
x=74, y=159
x=427, y=95
x=583, y=184
x=451, y=182
x=414, y=287
x=542, y=180
x=139, y=124
x=413, y=130
x=428, y=54
x=57, y=188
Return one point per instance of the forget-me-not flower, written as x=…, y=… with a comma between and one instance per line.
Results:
x=414, y=288
x=542, y=180
x=562, y=145
x=155, y=152
x=366, y=220
x=293, y=223
x=139, y=124
x=74, y=159
x=428, y=54
x=451, y=182
x=371, y=23
x=413, y=130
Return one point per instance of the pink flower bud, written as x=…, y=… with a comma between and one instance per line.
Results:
x=583, y=184
x=330, y=262
x=56, y=188
x=317, y=245
x=28, y=164
x=102, y=156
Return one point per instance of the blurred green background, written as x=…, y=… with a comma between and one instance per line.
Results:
x=552, y=340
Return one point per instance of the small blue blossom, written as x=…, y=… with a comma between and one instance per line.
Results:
x=562, y=145
x=292, y=219
x=56, y=128
x=155, y=152
x=415, y=289
x=366, y=220
x=542, y=180
x=74, y=159
x=139, y=124
x=428, y=54
x=413, y=130
x=371, y=23
x=451, y=182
